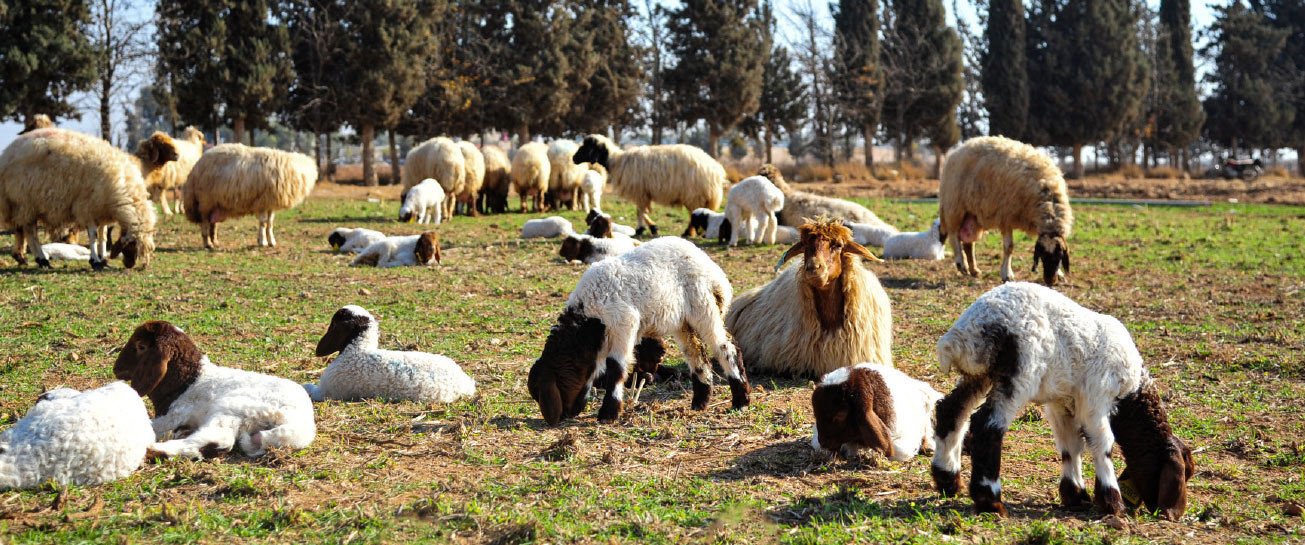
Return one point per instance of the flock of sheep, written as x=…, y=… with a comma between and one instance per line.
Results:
x=824, y=315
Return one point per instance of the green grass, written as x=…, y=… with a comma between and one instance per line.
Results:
x=1213, y=297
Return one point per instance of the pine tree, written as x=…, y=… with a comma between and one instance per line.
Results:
x=316, y=46
x=924, y=81
x=783, y=103
x=45, y=57
x=1289, y=15
x=607, y=90
x=859, y=78
x=1245, y=108
x=1005, y=81
x=1179, y=117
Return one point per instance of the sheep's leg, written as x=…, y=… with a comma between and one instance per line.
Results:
x=103, y=235
x=1100, y=439
x=163, y=202
x=271, y=232
x=771, y=228
x=622, y=343
x=213, y=438
x=34, y=240
x=989, y=426
x=700, y=373
x=264, y=237
x=645, y=220
x=98, y=254
x=959, y=253
x=733, y=216
x=1007, y=246
x=714, y=335
x=1070, y=444
x=969, y=258
x=211, y=242
x=953, y=421
x=439, y=213
x=256, y=444
x=20, y=247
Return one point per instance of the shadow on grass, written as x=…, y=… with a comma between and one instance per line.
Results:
x=849, y=504
x=909, y=283
x=352, y=220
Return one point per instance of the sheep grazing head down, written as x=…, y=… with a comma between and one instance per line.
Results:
x=156, y=151
x=133, y=248
x=592, y=150
x=159, y=361
x=428, y=248
x=852, y=408
x=1158, y=463
x=1053, y=252
x=559, y=379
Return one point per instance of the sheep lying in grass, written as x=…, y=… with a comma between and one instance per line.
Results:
x=406, y=251
x=423, y=203
x=871, y=234
x=552, y=226
x=753, y=199
x=673, y=175
x=923, y=245
x=59, y=251
x=876, y=407
x=530, y=172
x=616, y=228
x=800, y=205
x=498, y=181
x=711, y=225
x=591, y=249
x=349, y=240
x=233, y=180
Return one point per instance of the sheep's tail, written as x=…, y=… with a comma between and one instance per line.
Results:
x=992, y=350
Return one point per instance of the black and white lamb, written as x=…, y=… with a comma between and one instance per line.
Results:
x=709, y=224
x=617, y=229
x=350, y=240
x=590, y=249
x=363, y=371
x=876, y=407
x=401, y=251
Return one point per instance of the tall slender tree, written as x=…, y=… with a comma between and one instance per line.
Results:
x=783, y=104
x=615, y=79
x=1289, y=15
x=118, y=39
x=1005, y=79
x=1245, y=108
x=44, y=58
x=923, y=57
x=256, y=68
x=317, y=46
x=859, y=79
x=1179, y=117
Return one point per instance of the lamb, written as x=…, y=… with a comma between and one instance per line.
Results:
x=550, y=227
x=163, y=181
x=753, y=198
x=993, y=182
x=1021, y=343
x=208, y=409
x=233, y=180
x=590, y=249
x=924, y=245
x=473, y=175
x=871, y=234
x=665, y=287
x=788, y=235
x=362, y=371
x=710, y=224
x=876, y=407
x=498, y=181
x=345, y=239
x=800, y=205
x=441, y=159
x=76, y=438
x=530, y=172
x=591, y=187
x=62, y=178
x=673, y=175
x=423, y=203
x=564, y=176
x=595, y=213
x=57, y=251
x=817, y=316
x=404, y=251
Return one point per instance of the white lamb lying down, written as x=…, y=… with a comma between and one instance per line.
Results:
x=590, y=249
x=552, y=226
x=871, y=234
x=787, y=235
x=873, y=406
x=207, y=409
x=345, y=239
x=423, y=203
x=362, y=371
x=56, y=251
x=409, y=251
x=924, y=245
x=81, y=438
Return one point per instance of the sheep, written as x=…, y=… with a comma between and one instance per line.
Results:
x=1023, y=343
x=800, y=205
x=76, y=438
x=789, y=235
x=530, y=172
x=591, y=187
x=924, y=245
x=672, y=175
x=590, y=249
x=708, y=223
x=348, y=240
x=233, y=180
x=498, y=181
x=59, y=251
x=441, y=159
x=38, y=121
x=62, y=178
x=993, y=182
x=552, y=226
x=665, y=287
x=876, y=407
x=564, y=175
x=161, y=182
x=404, y=251
x=753, y=198
x=423, y=203
x=473, y=175
x=209, y=408
x=821, y=314
x=362, y=371
x=871, y=234
x=618, y=229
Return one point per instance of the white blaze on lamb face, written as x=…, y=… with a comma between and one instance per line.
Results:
x=875, y=407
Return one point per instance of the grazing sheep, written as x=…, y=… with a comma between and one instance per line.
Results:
x=530, y=172
x=473, y=176
x=665, y=287
x=923, y=245
x=618, y=229
x=362, y=371
x=552, y=226
x=672, y=175
x=76, y=438
x=1023, y=343
x=423, y=203
x=591, y=249
x=871, y=234
x=753, y=198
x=347, y=240
x=709, y=224
x=211, y=408
x=591, y=187
x=233, y=180
x=163, y=181
x=821, y=314
x=498, y=181
x=405, y=251
x=993, y=182
x=59, y=251
x=62, y=178
x=564, y=175
x=441, y=159
x=800, y=205
x=873, y=406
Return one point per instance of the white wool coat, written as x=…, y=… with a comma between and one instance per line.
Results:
x=357, y=240
x=552, y=226
x=56, y=251
x=871, y=234
x=398, y=251
x=923, y=245
x=425, y=202
x=913, y=408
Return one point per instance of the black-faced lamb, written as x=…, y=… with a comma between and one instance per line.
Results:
x=710, y=224
x=351, y=240
x=401, y=251
x=671, y=174
x=875, y=407
x=233, y=180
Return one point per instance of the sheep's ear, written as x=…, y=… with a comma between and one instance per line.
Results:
x=336, y=338
x=1037, y=256
x=543, y=389
x=151, y=366
x=856, y=249
x=796, y=249
x=1172, y=499
x=874, y=433
x=1063, y=248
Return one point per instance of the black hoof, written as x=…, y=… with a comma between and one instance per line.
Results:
x=98, y=265
x=638, y=232
x=211, y=450
x=22, y=261
x=701, y=395
x=653, y=228
x=738, y=393
x=1072, y=497
x=43, y=263
x=610, y=412
x=948, y=483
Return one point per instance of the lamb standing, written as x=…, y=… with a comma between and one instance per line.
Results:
x=439, y=158
x=423, y=203
x=591, y=187
x=406, y=251
x=876, y=407
x=672, y=174
x=530, y=172
x=753, y=198
x=233, y=180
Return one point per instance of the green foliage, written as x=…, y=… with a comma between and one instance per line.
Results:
x=1289, y=15
x=316, y=46
x=609, y=95
x=925, y=83
x=1178, y=115
x=1246, y=107
x=1005, y=79
x=783, y=103
x=45, y=57
x=858, y=76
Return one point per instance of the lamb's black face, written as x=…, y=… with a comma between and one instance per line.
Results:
x=1053, y=253
x=591, y=151
x=336, y=240
x=593, y=214
x=559, y=379
x=346, y=325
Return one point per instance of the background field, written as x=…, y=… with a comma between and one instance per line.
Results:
x=1214, y=297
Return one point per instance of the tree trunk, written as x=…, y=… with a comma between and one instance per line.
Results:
x=395, y=169
x=1300, y=161
x=238, y=130
x=523, y=135
x=770, y=138
x=369, y=163
x=938, y=161
x=713, y=141
x=869, y=133
x=318, y=154
x=330, y=161
x=251, y=137
x=1078, y=161
x=105, y=107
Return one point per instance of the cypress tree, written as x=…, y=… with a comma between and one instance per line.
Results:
x=256, y=67
x=1289, y=15
x=1005, y=80
x=538, y=91
x=859, y=79
x=316, y=45
x=1245, y=108
x=612, y=80
x=44, y=58
x=924, y=82
x=1179, y=117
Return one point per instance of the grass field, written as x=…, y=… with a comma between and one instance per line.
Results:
x=1215, y=298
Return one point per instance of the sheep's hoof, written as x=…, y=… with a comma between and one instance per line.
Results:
x=990, y=506
x=610, y=411
x=638, y=232
x=653, y=228
x=739, y=394
x=947, y=482
x=1072, y=496
x=22, y=260
x=43, y=263
x=701, y=394
x=1109, y=501
x=153, y=455
x=98, y=265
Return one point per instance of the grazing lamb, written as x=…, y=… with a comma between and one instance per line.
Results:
x=233, y=180
x=59, y=251
x=591, y=187
x=552, y=226
x=403, y=251
x=993, y=182
x=76, y=438
x=873, y=406
x=530, y=172
x=473, y=176
x=423, y=203
x=163, y=181
x=441, y=159
x=347, y=240
x=923, y=245
x=800, y=205
x=564, y=175
x=665, y=287
x=819, y=315
x=210, y=408
x=62, y=178
x=871, y=234
x=498, y=181
x=362, y=371
x=1023, y=343
x=709, y=224
x=591, y=249
x=595, y=213
x=753, y=198
x=672, y=175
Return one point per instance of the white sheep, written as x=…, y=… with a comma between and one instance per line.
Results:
x=62, y=178
x=590, y=249
x=442, y=159
x=59, y=251
x=672, y=175
x=76, y=438
x=564, y=175
x=352, y=241
x=753, y=199
x=873, y=406
x=591, y=187
x=423, y=203
x=473, y=175
x=665, y=287
x=530, y=172
x=207, y=407
x=923, y=245
x=1023, y=343
x=871, y=234
x=402, y=251
x=363, y=371
x=161, y=182
x=799, y=206
x=552, y=226
x=498, y=180
x=233, y=180
x=993, y=182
